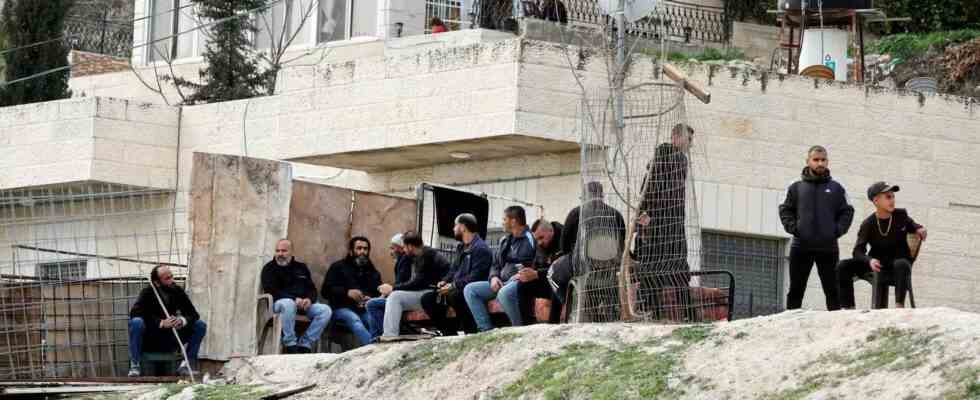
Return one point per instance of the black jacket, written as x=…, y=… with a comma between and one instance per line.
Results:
x=885, y=248
x=816, y=212
x=148, y=308
x=289, y=282
x=472, y=264
x=599, y=217
x=544, y=256
x=403, y=268
x=345, y=275
x=427, y=269
x=514, y=253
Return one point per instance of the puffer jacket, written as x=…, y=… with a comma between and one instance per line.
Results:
x=816, y=212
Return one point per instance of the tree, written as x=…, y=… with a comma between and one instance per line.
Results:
x=933, y=15
x=26, y=22
x=231, y=69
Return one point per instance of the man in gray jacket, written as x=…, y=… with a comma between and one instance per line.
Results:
x=513, y=263
x=816, y=212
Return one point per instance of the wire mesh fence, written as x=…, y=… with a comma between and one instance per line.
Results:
x=72, y=260
x=639, y=233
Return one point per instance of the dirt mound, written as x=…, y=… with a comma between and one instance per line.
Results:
x=890, y=354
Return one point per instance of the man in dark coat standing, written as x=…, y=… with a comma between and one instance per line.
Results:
x=816, y=212
x=348, y=286
x=151, y=329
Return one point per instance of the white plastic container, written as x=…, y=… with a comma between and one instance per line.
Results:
x=825, y=47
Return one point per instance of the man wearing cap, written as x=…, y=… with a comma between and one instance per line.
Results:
x=886, y=231
x=472, y=264
x=816, y=212
x=403, y=272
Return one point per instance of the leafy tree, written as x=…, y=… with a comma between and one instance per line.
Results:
x=25, y=22
x=932, y=15
x=231, y=69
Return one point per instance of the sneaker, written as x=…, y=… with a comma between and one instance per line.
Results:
x=134, y=370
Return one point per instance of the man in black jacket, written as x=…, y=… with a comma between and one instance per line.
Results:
x=886, y=231
x=547, y=236
x=599, y=221
x=403, y=273
x=513, y=264
x=472, y=264
x=348, y=286
x=816, y=212
x=292, y=289
x=151, y=329
x=428, y=268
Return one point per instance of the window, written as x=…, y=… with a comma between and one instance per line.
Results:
x=169, y=18
x=756, y=264
x=285, y=24
x=64, y=270
x=449, y=11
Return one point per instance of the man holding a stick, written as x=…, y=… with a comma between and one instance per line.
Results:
x=151, y=326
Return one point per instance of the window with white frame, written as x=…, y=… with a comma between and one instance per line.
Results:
x=449, y=11
x=286, y=24
x=167, y=19
x=344, y=19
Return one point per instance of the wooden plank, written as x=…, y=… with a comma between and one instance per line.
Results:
x=378, y=217
x=318, y=220
x=70, y=390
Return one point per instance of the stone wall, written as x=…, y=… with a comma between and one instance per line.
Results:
x=757, y=41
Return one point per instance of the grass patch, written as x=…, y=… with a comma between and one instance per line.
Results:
x=741, y=335
x=966, y=384
x=229, y=392
x=434, y=354
x=910, y=45
x=709, y=54
x=891, y=349
x=692, y=334
x=593, y=371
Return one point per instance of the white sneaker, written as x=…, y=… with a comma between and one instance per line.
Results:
x=134, y=370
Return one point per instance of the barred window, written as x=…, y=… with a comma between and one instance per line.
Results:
x=63, y=270
x=756, y=263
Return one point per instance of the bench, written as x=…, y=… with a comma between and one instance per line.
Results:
x=160, y=364
x=542, y=309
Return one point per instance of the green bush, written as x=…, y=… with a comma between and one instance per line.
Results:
x=931, y=15
x=910, y=45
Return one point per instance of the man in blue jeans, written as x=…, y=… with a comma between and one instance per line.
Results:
x=512, y=264
x=349, y=284
x=403, y=272
x=291, y=286
x=151, y=329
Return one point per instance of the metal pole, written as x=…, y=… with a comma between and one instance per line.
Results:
x=619, y=78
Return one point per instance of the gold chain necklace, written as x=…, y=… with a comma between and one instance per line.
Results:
x=889, y=229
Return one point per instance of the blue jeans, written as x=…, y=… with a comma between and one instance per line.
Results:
x=319, y=315
x=191, y=335
x=355, y=322
x=376, y=316
x=477, y=294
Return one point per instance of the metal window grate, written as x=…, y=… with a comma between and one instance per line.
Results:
x=449, y=11
x=64, y=270
x=756, y=265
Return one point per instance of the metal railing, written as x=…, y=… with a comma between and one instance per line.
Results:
x=678, y=20
x=109, y=37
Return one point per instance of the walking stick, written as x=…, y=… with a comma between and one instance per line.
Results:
x=180, y=343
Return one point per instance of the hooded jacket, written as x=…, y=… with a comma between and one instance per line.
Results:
x=288, y=282
x=514, y=253
x=472, y=264
x=816, y=212
x=345, y=275
x=148, y=308
x=427, y=269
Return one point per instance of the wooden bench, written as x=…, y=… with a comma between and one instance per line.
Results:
x=542, y=309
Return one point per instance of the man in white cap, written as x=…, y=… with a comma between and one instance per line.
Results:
x=403, y=272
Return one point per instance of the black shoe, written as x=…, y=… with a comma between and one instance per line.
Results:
x=293, y=350
x=304, y=350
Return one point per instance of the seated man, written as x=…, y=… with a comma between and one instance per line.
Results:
x=547, y=236
x=349, y=284
x=291, y=286
x=427, y=268
x=472, y=264
x=886, y=230
x=403, y=272
x=151, y=329
x=512, y=264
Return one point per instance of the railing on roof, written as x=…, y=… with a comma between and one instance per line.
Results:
x=681, y=20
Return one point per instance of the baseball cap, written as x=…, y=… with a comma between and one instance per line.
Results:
x=879, y=188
